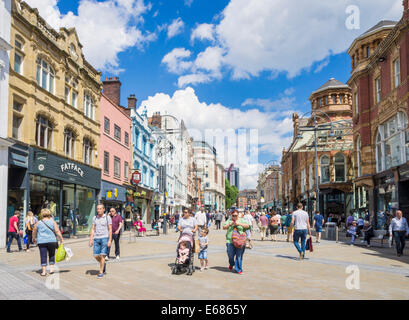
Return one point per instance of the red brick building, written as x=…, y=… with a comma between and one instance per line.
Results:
x=380, y=88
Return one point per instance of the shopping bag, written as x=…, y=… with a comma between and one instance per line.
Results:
x=61, y=254
x=25, y=239
x=310, y=245
x=197, y=247
x=307, y=245
x=69, y=254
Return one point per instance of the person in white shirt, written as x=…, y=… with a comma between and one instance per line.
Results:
x=201, y=219
x=301, y=223
x=278, y=215
x=399, y=229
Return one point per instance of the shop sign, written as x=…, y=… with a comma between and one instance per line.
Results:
x=136, y=178
x=71, y=168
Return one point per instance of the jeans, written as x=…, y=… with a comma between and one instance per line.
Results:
x=218, y=222
x=115, y=238
x=47, y=248
x=300, y=234
x=29, y=238
x=14, y=235
x=237, y=253
x=399, y=237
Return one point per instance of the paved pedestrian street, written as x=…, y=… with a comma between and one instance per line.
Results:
x=271, y=271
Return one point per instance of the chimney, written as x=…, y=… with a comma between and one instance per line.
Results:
x=156, y=120
x=112, y=89
x=132, y=102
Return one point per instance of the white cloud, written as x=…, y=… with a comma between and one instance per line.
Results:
x=273, y=129
x=193, y=79
x=204, y=31
x=286, y=101
x=188, y=2
x=175, y=28
x=175, y=60
x=105, y=28
x=210, y=60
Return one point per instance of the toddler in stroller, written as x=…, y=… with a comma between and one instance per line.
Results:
x=184, y=255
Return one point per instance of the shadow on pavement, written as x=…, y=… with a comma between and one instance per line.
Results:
x=92, y=272
x=221, y=269
x=288, y=257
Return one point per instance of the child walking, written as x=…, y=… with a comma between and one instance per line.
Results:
x=203, y=243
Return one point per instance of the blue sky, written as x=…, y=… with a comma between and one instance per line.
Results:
x=226, y=64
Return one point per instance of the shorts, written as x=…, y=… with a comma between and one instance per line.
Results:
x=318, y=229
x=290, y=230
x=203, y=254
x=101, y=247
x=273, y=229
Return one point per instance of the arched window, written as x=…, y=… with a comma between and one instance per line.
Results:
x=44, y=132
x=89, y=107
x=45, y=75
x=359, y=156
x=392, y=142
x=69, y=139
x=340, y=171
x=325, y=173
x=87, y=151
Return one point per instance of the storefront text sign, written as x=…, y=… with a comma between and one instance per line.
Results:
x=72, y=167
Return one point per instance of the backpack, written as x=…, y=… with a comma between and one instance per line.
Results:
x=239, y=240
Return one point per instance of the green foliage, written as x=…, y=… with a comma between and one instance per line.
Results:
x=231, y=194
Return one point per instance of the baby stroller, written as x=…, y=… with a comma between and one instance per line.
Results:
x=187, y=265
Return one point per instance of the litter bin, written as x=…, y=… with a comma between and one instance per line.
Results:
x=331, y=231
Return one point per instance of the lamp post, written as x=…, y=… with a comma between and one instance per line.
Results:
x=168, y=147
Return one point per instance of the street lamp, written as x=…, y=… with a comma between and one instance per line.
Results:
x=163, y=151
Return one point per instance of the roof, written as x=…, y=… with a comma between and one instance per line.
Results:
x=331, y=84
x=380, y=25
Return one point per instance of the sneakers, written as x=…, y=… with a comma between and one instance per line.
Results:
x=240, y=273
x=100, y=276
x=301, y=256
x=106, y=258
x=230, y=268
x=117, y=258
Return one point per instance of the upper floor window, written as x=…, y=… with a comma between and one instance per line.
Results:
x=18, y=55
x=117, y=167
x=69, y=139
x=106, y=162
x=341, y=99
x=107, y=125
x=325, y=172
x=334, y=99
x=396, y=72
x=356, y=103
x=127, y=139
x=45, y=75
x=89, y=107
x=359, y=156
x=340, y=170
x=378, y=89
x=44, y=131
x=87, y=151
x=368, y=51
x=126, y=171
x=117, y=133
x=392, y=143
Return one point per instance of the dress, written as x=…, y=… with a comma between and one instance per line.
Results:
x=140, y=227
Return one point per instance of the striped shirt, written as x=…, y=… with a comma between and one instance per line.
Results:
x=399, y=225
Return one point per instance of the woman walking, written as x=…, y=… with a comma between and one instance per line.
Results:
x=29, y=224
x=274, y=227
x=234, y=253
x=45, y=233
x=263, y=225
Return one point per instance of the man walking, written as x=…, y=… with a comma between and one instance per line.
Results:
x=318, y=223
x=101, y=238
x=201, y=219
x=290, y=228
x=301, y=224
x=13, y=231
x=399, y=230
x=218, y=218
x=117, y=223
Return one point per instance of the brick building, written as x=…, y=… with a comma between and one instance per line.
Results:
x=379, y=82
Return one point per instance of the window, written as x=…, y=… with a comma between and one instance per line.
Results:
x=44, y=131
x=16, y=126
x=359, y=156
x=334, y=99
x=392, y=148
x=87, y=151
x=67, y=95
x=89, y=107
x=117, y=167
x=127, y=139
x=117, y=133
x=311, y=177
x=45, y=75
x=144, y=145
x=326, y=100
x=303, y=181
x=325, y=173
x=145, y=176
x=18, y=56
x=106, y=162
x=368, y=51
x=396, y=72
x=137, y=135
x=152, y=179
x=74, y=99
x=378, y=89
x=69, y=139
x=126, y=171
x=356, y=103
x=17, y=106
x=107, y=125
x=341, y=99
x=340, y=168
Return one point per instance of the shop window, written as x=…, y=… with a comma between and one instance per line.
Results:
x=325, y=172
x=44, y=131
x=45, y=75
x=392, y=146
x=340, y=168
x=117, y=167
x=69, y=140
x=89, y=107
x=87, y=151
x=106, y=162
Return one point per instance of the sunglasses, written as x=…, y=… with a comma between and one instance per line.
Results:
x=235, y=215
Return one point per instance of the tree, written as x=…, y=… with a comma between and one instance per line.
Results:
x=231, y=194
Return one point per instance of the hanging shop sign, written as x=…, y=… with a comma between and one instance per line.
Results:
x=136, y=178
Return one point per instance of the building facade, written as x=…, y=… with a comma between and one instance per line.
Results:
x=247, y=200
x=232, y=174
x=331, y=115
x=5, y=47
x=53, y=115
x=379, y=82
x=115, y=151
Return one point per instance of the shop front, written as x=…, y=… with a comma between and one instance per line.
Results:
x=113, y=196
x=68, y=188
x=143, y=204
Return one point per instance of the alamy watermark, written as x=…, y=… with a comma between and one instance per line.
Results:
x=53, y=280
x=353, y=21
x=353, y=281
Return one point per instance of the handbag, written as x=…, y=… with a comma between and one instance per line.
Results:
x=239, y=240
x=309, y=245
